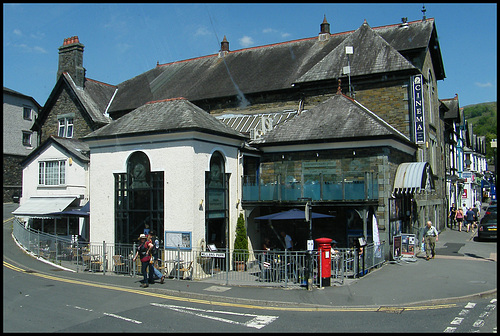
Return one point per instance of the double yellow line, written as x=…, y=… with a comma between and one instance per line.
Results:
x=228, y=304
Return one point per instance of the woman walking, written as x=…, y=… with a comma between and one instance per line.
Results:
x=459, y=217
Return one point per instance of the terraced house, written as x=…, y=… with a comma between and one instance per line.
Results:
x=347, y=121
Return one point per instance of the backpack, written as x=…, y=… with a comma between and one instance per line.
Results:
x=154, y=249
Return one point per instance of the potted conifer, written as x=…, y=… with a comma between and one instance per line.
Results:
x=240, y=252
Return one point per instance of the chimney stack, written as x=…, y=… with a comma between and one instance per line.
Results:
x=71, y=60
x=224, y=47
x=324, y=33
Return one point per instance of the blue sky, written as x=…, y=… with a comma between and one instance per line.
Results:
x=124, y=40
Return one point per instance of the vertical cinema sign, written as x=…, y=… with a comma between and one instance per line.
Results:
x=418, y=108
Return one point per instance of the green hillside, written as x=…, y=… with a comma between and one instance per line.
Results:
x=483, y=117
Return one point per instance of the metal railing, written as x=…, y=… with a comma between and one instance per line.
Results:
x=345, y=186
x=259, y=268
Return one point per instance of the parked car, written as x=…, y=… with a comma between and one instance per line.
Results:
x=491, y=212
x=487, y=229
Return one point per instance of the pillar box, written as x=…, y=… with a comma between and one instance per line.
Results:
x=324, y=249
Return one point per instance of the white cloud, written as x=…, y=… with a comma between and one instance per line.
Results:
x=39, y=49
x=202, y=31
x=246, y=41
x=483, y=84
x=27, y=49
x=123, y=47
x=274, y=31
x=37, y=35
x=269, y=30
x=17, y=32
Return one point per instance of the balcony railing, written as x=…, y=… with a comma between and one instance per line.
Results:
x=348, y=186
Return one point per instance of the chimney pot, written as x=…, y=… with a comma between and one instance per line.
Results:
x=324, y=33
x=224, y=45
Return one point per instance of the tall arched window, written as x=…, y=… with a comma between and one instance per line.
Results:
x=431, y=98
x=216, y=195
x=138, y=200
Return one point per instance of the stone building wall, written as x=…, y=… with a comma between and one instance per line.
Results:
x=65, y=105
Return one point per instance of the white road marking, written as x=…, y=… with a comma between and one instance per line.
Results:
x=217, y=289
x=490, y=307
x=107, y=314
x=463, y=312
x=76, y=307
x=457, y=321
x=470, y=305
x=478, y=323
x=123, y=318
x=450, y=329
x=257, y=321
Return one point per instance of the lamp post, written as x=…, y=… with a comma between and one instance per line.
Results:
x=310, y=242
x=494, y=146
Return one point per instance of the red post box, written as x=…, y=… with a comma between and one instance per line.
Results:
x=325, y=260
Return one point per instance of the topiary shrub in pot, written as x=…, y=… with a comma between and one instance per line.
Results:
x=240, y=252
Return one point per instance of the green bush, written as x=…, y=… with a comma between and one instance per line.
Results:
x=240, y=252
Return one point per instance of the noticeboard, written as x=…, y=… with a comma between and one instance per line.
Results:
x=396, y=247
x=408, y=242
x=177, y=239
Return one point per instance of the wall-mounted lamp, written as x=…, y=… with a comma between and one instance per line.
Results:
x=70, y=161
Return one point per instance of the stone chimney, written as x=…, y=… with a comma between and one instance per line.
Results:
x=71, y=60
x=224, y=47
x=324, y=33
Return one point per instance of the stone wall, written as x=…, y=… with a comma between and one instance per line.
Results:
x=12, y=176
x=65, y=105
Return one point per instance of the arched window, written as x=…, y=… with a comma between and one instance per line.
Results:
x=431, y=98
x=216, y=194
x=138, y=170
x=139, y=195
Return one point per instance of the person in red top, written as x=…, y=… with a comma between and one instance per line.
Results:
x=143, y=252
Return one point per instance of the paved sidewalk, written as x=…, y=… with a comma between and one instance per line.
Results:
x=458, y=271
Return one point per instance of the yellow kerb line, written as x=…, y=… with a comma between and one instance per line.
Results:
x=225, y=304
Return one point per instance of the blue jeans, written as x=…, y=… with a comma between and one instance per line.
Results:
x=145, y=272
x=157, y=273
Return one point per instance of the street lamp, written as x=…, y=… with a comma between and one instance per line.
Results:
x=494, y=146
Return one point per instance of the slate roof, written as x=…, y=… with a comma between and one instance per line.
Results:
x=94, y=97
x=275, y=67
x=166, y=116
x=372, y=54
x=19, y=94
x=452, y=108
x=337, y=119
x=73, y=147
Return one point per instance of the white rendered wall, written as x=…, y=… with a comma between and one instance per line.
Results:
x=183, y=159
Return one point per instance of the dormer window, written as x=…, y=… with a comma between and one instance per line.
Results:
x=65, y=127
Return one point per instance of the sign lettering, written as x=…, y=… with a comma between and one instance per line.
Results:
x=418, y=109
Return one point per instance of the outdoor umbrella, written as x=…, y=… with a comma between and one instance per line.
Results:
x=293, y=214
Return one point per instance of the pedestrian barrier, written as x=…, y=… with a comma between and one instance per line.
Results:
x=286, y=269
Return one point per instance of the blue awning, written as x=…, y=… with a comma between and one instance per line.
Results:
x=82, y=212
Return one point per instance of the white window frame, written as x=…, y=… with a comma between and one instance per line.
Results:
x=27, y=113
x=52, y=173
x=29, y=138
x=66, y=128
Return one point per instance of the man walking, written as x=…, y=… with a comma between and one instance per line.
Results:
x=430, y=238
